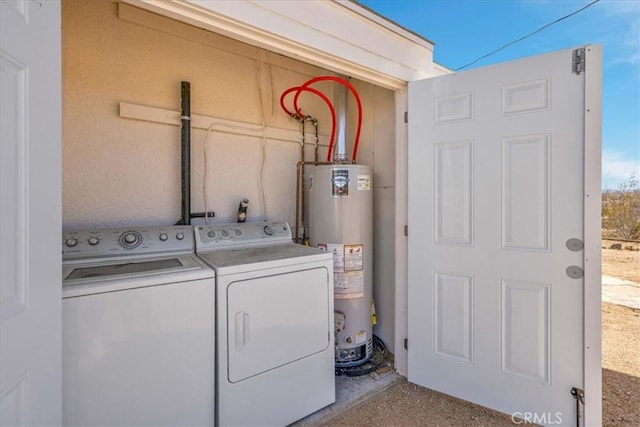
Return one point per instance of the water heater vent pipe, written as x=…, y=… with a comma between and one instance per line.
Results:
x=340, y=104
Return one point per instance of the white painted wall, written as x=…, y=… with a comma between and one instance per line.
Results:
x=119, y=171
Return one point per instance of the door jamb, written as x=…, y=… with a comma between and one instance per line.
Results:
x=401, y=241
x=592, y=236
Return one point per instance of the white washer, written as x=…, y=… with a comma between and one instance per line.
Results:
x=138, y=328
x=275, y=338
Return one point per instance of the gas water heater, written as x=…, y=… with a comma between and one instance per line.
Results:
x=340, y=220
x=338, y=202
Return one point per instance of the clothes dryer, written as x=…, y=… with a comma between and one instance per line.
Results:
x=274, y=319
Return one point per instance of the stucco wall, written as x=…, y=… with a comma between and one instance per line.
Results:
x=119, y=171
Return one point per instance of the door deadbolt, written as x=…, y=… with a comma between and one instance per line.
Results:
x=575, y=245
x=575, y=272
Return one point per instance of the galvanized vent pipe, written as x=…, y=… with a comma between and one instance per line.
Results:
x=340, y=104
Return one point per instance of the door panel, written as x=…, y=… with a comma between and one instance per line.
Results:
x=276, y=320
x=30, y=266
x=495, y=190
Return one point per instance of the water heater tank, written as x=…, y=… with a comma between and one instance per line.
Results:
x=340, y=220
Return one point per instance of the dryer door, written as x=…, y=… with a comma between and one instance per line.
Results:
x=276, y=320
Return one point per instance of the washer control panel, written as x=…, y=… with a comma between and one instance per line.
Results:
x=241, y=234
x=107, y=242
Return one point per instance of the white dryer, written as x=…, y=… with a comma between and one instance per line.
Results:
x=138, y=328
x=274, y=319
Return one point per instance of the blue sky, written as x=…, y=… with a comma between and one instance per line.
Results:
x=464, y=30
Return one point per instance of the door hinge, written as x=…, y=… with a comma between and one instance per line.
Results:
x=578, y=61
x=406, y=117
x=406, y=343
x=406, y=230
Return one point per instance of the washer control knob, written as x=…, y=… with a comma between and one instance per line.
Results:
x=212, y=234
x=93, y=240
x=225, y=234
x=71, y=242
x=130, y=239
x=180, y=236
x=268, y=230
x=163, y=236
x=238, y=232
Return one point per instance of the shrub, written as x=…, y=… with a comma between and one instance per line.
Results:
x=621, y=210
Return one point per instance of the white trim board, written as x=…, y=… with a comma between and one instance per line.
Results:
x=338, y=36
x=172, y=117
x=592, y=230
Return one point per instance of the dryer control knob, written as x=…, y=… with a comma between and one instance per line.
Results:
x=268, y=230
x=93, y=241
x=238, y=232
x=163, y=236
x=225, y=234
x=71, y=242
x=212, y=234
x=180, y=236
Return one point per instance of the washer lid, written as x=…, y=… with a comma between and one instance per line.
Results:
x=83, y=278
x=105, y=271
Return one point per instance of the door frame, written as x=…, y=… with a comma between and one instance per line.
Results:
x=592, y=236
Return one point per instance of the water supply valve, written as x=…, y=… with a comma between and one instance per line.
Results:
x=242, y=210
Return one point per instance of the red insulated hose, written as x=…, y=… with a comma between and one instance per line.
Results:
x=355, y=95
x=299, y=116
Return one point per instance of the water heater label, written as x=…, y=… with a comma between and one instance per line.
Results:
x=353, y=257
x=361, y=337
x=338, y=254
x=340, y=182
x=348, y=274
x=348, y=285
x=364, y=182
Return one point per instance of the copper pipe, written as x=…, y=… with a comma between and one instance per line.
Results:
x=304, y=140
x=301, y=201
x=299, y=194
x=317, y=139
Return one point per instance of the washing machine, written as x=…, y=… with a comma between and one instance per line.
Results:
x=138, y=328
x=274, y=319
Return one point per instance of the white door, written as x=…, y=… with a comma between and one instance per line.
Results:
x=496, y=220
x=30, y=226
